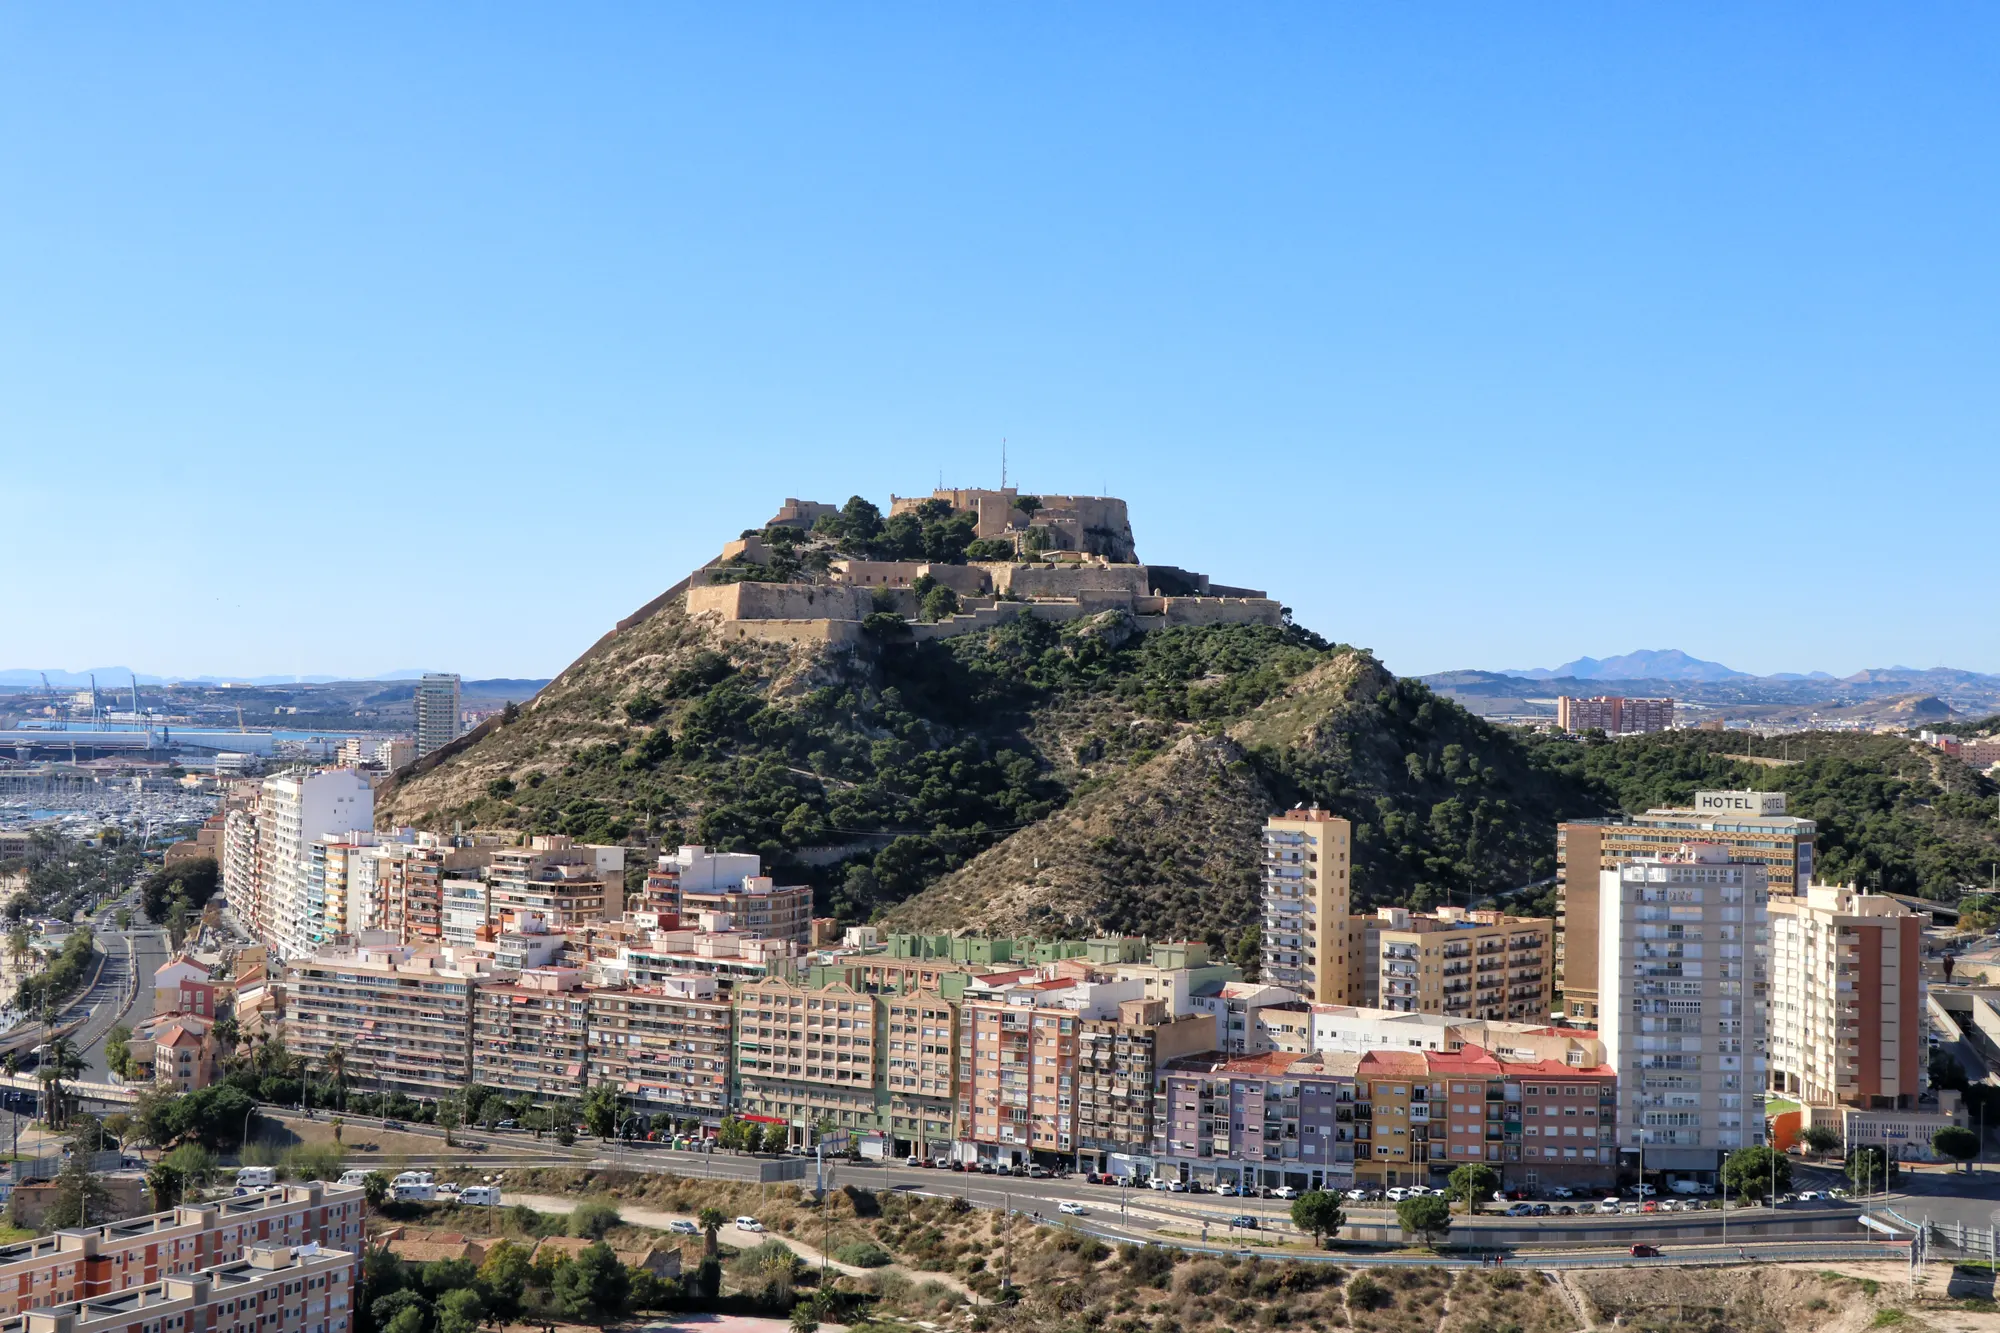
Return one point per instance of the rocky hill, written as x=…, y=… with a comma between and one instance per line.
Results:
x=1445, y=808
x=1079, y=776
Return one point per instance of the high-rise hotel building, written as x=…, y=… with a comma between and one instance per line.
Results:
x=1682, y=960
x=1307, y=893
x=1752, y=825
x=437, y=711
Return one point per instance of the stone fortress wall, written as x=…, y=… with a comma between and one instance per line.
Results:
x=1070, y=583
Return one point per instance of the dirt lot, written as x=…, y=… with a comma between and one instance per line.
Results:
x=1781, y=1298
x=370, y=1145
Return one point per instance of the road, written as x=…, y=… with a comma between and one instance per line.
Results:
x=108, y=999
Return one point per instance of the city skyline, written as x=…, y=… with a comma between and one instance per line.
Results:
x=1397, y=315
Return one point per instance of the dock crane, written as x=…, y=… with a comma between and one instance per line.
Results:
x=57, y=705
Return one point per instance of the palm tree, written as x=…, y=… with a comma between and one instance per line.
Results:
x=60, y=1060
x=335, y=1064
x=711, y=1220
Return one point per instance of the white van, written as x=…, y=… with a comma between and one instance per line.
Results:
x=480, y=1196
x=415, y=1178
x=256, y=1178
x=415, y=1193
x=354, y=1177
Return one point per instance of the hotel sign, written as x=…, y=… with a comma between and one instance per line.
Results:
x=1752, y=803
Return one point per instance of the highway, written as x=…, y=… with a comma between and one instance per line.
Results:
x=1147, y=1216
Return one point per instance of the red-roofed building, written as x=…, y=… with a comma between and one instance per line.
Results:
x=1538, y=1123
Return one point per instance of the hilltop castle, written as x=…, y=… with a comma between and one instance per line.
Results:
x=808, y=577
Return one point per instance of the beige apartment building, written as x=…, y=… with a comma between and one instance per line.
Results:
x=666, y=1046
x=1751, y=825
x=1120, y=1099
x=809, y=1055
x=402, y=1015
x=530, y=1032
x=564, y=884
x=920, y=1070
x=1463, y=964
x=1847, y=1000
x=1307, y=894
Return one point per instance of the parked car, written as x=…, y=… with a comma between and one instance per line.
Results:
x=1562, y=1192
x=1609, y=1204
x=1038, y=1173
x=1284, y=1192
x=1566, y=1210
x=1643, y=1190
x=1068, y=1206
x=1645, y=1251
x=1540, y=1210
x=1244, y=1221
x=1628, y=1208
x=1521, y=1210
x=913, y=1160
x=1359, y=1195
x=508, y=1124
x=958, y=1166
x=1177, y=1187
x=681, y=1226
x=748, y=1224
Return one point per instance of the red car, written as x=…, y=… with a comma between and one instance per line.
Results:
x=1645, y=1251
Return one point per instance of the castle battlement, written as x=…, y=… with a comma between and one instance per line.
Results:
x=1084, y=566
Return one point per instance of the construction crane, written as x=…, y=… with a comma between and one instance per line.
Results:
x=135, y=696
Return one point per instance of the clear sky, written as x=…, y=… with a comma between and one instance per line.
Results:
x=347, y=338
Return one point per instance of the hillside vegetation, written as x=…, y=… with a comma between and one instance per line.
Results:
x=1089, y=777
x=1893, y=815
x=1146, y=762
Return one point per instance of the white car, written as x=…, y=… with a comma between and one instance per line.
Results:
x=1284, y=1192
x=1069, y=1206
x=1609, y=1204
x=748, y=1224
x=1398, y=1193
x=1563, y=1192
x=1158, y=1183
x=680, y=1226
x=1644, y=1190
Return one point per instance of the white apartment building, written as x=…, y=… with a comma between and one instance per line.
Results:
x=437, y=712
x=336, y=865
x=1847, y=1000
x=295, y=811
x=1682, y=958
x=241, y=883
x=465, y=910
x=1306, y=899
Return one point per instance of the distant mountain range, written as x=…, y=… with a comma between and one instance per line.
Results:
x=1674, y=665
x=1896, y=695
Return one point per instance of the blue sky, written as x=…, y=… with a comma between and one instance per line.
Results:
x=343, y=339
